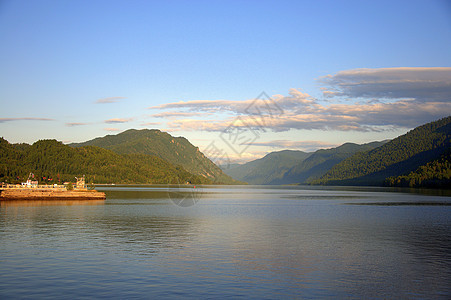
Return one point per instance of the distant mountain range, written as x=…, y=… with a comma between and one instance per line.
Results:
x=289, y=167
x=418, y=158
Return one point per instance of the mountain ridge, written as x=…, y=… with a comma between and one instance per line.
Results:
x=420, y=157
x=175, y=150
x=400, y=156
x=294, y=166
x=53, y=162
x=256, y=171
x=323, y=160
x=408, y=160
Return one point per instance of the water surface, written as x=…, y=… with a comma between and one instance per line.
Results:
x=236, y=241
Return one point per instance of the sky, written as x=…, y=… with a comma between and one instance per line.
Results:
x=238, y=79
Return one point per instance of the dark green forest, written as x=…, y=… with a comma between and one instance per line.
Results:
x=419, y=151
x=53, y=162
x=435, y=174
x=177, y=151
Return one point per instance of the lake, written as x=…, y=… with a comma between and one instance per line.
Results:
x=244, y=242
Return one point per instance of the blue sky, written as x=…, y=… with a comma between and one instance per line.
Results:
x=339, y=71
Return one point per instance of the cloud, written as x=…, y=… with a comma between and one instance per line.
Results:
x=2, y=120
x=369, y=116
x=118, y=120
x=109, y=100
x=288, y=144
x=194, y=125
x=262, y=103
x=111, y=129
x=204, y=105
x=174, y=114
x=389, y=98
x=151, y=124
x=73, y=124
x=422, y=84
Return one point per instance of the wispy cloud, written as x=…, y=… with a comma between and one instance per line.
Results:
x=175, y=114
x=343, y=117
x=111, y=129
x=205, y=105
x=2, y=120
x=118, y=120
x=233, y=158
x=425, y=84
x=151, y=124
x=377, y=100
x=109, y=100
x=237, y=106
x=297, y=145
x=74, y=124
x=194, y=125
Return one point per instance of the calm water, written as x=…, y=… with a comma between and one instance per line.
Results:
x=240, y=242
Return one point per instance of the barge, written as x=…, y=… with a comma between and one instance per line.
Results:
x=32, y=191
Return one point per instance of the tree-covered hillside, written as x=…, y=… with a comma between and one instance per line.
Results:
x=175, y=150
x=398, y=157
x=289, y=167
x=53, y=162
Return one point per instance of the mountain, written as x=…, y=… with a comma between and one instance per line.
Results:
x=267, y=169
x=177, y=151
x=322, y=161
x=53, y=162
x=288, y=167
x=400, y=156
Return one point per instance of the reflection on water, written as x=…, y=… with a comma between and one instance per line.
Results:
x=240, y=242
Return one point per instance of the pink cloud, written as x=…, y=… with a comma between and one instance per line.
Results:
x=109, y=100
x=24, y=119
x=111, y=129
x=392, y=98
x=118, y=120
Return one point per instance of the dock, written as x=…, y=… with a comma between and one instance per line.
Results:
x=49, y=194
x=33, y=191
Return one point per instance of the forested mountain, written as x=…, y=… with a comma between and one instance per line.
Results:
x=53, y=162
x=175, y=150
x=401, y=156
x=288, y=167
x=268, y=169
x=421, y=157
x=322, y=161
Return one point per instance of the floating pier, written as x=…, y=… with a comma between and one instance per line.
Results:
x=32, y=191
x=49, y=194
